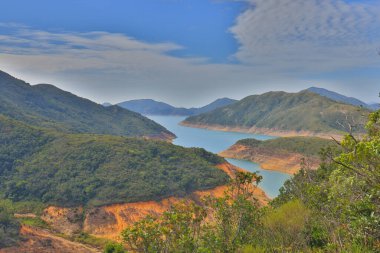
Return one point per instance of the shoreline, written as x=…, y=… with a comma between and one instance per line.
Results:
x=289, y=163
x=264, y=131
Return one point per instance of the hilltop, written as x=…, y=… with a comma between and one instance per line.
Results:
x=47, y=106
x=152, y=107
x=280, y=154
x=283, y=114
x=85, y=169
x=340, y=98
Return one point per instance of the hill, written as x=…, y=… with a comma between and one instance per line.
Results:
x=339, y=97
x=152, y=107
x=221, y=102
x=283, y=114
x=47, y=106
x=281, y=154
x=85, y=169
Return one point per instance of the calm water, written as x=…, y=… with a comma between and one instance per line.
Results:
x=216, y=141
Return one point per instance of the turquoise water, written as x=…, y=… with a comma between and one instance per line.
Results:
x=216, y=141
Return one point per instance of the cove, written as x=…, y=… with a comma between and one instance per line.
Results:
x=217, y=141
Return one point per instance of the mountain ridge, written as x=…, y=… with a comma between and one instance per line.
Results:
x=341, y=98
x=47, y=106
x=153, y=107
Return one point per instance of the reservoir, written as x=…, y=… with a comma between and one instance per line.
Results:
x=217, y=141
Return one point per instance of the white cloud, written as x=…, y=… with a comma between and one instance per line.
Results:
x=309, y=36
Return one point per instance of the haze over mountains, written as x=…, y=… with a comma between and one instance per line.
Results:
x=152, y=107
x=341, y=98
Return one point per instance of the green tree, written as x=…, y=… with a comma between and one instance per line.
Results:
x=114, y=248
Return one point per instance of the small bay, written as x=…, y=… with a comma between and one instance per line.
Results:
x=217, y=141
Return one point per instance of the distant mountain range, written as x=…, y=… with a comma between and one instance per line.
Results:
x=152, y=107
x=341, y=98
x=46, y=106
x=281, y=113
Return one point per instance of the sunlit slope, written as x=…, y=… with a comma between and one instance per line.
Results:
x=47, y=106
x=280, y=111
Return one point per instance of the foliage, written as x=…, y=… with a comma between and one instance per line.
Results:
x=308, y=146
x=344, y=194
x=335, y=208
x=285, y=111
x=218, y=225
x=177, y=230
x=114, y=248
x=88, y=239
x=34, y=222
x=236, y=216
x=75, y=169
x=9, y=226
x=284, y=227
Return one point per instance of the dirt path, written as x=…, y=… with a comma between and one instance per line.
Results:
x=35, y=240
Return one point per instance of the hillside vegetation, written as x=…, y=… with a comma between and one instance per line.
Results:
x=80, y=169
x=308, y=146
x=335, y=208
x=281, y=111
x=49, y=107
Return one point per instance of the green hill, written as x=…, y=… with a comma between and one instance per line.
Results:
x=307, y=146
x=281, y=111
x=49, y=107
x=85, y=169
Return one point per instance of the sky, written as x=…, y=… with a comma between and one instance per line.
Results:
x=190, y=52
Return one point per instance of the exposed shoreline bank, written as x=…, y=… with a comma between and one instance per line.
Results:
x=264, y=131
x=288, y=163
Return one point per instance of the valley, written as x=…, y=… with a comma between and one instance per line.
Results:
x=78, y=176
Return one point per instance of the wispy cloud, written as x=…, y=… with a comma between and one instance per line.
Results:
x=309, y=36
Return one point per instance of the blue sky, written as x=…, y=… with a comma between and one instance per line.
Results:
x=200, y=26
x=189, y=52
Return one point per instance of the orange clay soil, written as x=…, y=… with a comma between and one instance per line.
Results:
x=266, y=131
x=109, y=221
x=36, y=240
x=286, y=162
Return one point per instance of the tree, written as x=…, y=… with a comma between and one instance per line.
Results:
x=217, y=225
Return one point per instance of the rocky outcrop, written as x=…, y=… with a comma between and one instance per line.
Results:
x=65, y=220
